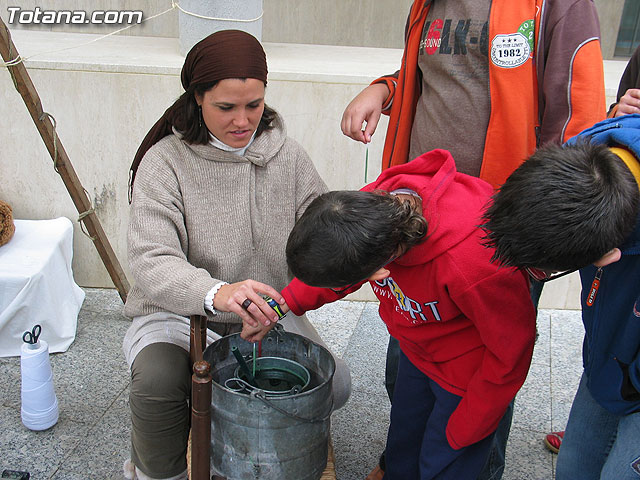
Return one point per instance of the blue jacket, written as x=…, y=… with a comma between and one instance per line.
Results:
x=611, y=350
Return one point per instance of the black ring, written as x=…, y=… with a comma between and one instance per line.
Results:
x=246, y=304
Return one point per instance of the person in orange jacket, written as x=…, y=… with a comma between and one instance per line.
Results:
x=489, y=81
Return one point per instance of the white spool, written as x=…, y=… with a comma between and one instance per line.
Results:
x=39, y=403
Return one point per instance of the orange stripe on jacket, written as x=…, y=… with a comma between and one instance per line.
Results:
x=514, y=97
x=396, y=145
x=593, y=104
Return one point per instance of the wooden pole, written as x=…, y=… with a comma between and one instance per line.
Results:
x=200, y=401
x=62, y=164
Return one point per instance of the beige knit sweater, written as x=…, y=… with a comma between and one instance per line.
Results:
x=200, y=215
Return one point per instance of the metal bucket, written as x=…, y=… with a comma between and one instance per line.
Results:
x=255, y=435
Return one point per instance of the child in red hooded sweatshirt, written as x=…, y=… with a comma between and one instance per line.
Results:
x=466, y=327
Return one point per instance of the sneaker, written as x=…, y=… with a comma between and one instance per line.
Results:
x=553, y=441
x=129, y=470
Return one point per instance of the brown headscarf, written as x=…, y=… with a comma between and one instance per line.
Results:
x=223, y=54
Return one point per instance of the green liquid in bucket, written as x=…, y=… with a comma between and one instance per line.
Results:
x=277, y=375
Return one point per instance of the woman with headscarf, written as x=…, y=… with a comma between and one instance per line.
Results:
x=218, y=186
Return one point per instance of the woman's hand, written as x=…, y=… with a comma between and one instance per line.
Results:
x=629, y=103
x=255, y=334
x=365, y=107
x=245, y=300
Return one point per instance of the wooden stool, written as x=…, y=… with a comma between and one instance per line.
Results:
x=330, y=471
x=198, y=458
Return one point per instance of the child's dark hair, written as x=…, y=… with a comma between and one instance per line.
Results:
x=562, y=209
x=345, y=236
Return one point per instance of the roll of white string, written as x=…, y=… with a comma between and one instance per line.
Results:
x=39, y=403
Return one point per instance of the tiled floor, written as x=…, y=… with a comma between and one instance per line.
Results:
x=90, y=440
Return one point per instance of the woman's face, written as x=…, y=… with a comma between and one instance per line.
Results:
x=232, y=109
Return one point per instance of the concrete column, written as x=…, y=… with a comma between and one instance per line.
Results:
x=228, y=15
x=610, y=13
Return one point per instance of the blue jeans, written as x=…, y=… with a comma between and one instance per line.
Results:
x=417, y=446
x=597, y=444
x=494, y=468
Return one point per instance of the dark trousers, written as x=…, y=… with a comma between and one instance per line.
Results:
x=158, y=397
x=159, y=402
x=494, y=468
x=417, y=446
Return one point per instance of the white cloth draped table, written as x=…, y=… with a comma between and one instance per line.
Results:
x=37, y=285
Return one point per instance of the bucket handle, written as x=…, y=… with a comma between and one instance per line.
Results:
x=247, y=387
x=259, y=394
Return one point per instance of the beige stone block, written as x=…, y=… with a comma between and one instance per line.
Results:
x=563, y=293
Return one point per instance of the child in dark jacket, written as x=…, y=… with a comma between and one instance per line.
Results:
x=466, y=327
x=577, y=207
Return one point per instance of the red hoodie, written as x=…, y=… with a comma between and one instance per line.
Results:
x=463, y=321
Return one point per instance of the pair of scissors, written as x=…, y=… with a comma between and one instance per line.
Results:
x=32, y=336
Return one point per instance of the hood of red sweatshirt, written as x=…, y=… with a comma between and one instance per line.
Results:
x=449, y=199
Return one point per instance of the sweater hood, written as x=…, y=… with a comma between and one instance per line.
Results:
x=261, y=150
x=448, y=198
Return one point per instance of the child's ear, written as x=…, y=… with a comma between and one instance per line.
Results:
x=608, y=258
x=379, y=274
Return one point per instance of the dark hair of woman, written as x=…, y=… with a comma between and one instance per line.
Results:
x=186, y=116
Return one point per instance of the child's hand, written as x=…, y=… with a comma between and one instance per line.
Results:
x=629, y=103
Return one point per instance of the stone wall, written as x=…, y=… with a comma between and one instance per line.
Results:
x=378, y=23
